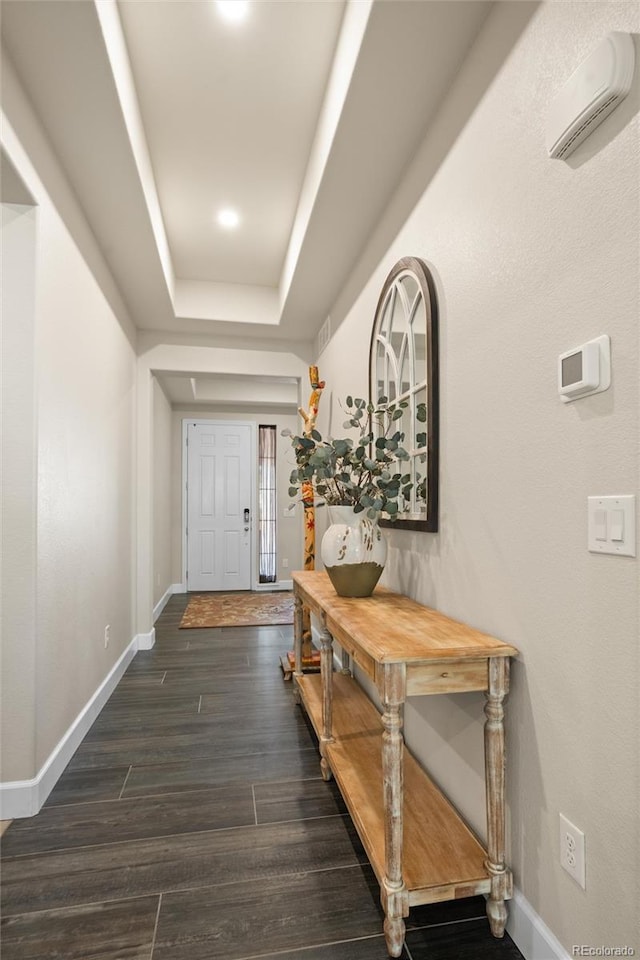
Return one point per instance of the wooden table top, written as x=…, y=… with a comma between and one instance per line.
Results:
x=391, y=628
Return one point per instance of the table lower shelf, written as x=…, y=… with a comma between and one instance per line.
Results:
x=442, y=859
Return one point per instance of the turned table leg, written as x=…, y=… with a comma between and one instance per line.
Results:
x=326, y=667
x=495, y=784
x=393, y=893
x=298, y=614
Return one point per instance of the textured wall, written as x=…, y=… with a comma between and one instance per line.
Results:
x=531, y=257
x=19, y=540
x=82, y=366
x=85, y=371
x=161, y=493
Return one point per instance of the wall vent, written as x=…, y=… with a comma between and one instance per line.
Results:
x=599, y=84
x=324, y=335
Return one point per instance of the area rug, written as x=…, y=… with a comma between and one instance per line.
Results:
x=238, y=610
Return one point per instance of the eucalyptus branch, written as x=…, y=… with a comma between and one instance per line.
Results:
x=367, y=462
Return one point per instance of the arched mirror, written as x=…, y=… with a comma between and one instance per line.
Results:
x=403, y=366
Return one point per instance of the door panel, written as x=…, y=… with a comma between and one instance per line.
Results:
x=219, y=476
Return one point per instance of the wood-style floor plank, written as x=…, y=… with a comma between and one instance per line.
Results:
x=463, y=941
x=367, y=948
x=85, y=786
x=143, y=867
x=169, y=749
x=297, y=800
x=112, y=727
x=121, y=930
x=88, y=824
x=202, y=774
x=248, y=919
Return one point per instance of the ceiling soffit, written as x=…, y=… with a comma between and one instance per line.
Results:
x=391, y=77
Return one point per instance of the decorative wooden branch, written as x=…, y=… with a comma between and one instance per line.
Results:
x=317, y=386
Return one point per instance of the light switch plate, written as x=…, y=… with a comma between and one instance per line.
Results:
x=612, y=525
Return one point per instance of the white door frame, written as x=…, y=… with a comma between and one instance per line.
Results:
x=253, y=537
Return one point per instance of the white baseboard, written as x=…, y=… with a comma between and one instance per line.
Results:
x=162, y=602
x=273, y=587
x=24, y=798
x=145, y=641
x=530, y=933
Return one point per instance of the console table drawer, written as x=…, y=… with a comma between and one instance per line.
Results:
x=447, y=677
x=361, y=658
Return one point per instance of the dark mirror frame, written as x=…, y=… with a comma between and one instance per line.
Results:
x=424, y=278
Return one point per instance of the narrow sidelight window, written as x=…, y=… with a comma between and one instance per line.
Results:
x=267, y=515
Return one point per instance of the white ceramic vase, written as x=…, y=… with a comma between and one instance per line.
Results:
x=353, y=551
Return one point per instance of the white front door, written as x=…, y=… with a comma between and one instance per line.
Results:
x=219, y=478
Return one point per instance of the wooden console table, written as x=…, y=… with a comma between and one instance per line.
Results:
x=420, y=849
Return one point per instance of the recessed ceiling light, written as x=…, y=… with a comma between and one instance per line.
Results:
x=228, y=218
x=234, y=11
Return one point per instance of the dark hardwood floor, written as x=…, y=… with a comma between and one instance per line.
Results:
x=192, y=824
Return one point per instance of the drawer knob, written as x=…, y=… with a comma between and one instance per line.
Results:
x=445, y=674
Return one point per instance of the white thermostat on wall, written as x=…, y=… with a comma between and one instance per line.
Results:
x=585, y=370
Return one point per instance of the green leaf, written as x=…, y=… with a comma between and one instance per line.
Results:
x=421, y=412
x=391, y=507
x=286, y=432
x=349, y=401
x=316, y=435
x=347, y=424
x=396, y=414
x=358, y=508
x=381, y=442
x=369, y=464
x=402, y=454
x=382, y=400
x=293, y=491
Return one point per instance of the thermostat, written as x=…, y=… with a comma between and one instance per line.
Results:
x=585, y=370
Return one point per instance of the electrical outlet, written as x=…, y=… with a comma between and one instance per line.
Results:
x=285, y=563
x=572, y=852
x=107, y=636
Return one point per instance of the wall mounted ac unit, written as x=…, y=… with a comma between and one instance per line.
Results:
x=597, y=87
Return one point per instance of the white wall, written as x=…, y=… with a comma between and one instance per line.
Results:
x=531, y=257
x=161, y=493
x=81, y=365
x=290, y=533
x=19, y=498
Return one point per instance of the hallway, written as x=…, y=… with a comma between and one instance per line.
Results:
x=192, y=824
